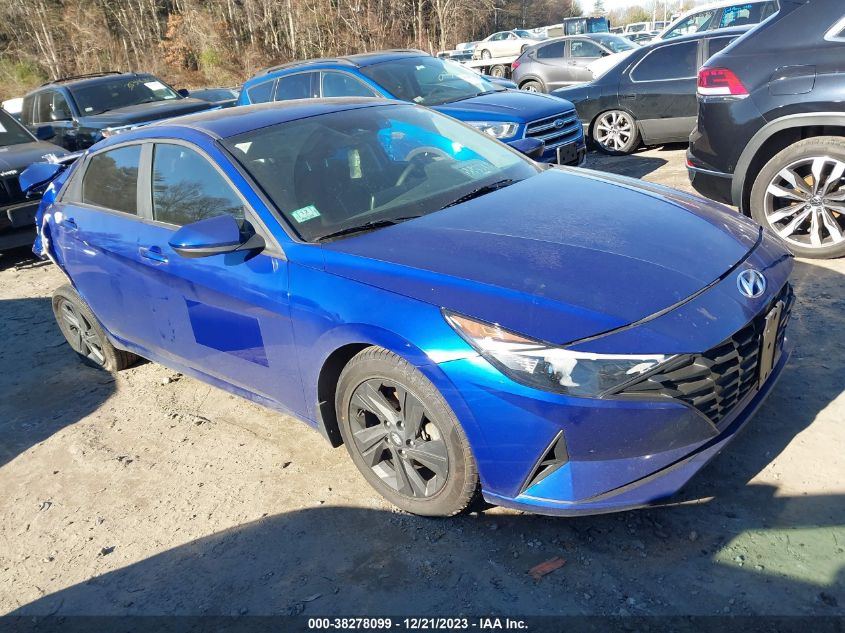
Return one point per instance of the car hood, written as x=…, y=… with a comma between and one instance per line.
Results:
x=506, y=105
x=559, y=257
x=18, y=157
x=144, y=112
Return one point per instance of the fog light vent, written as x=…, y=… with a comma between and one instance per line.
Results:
x=553, y=458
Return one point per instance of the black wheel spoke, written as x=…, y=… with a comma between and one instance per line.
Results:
x=369, y=398
x=369, y=437
x=432, y=455
x=412, y=412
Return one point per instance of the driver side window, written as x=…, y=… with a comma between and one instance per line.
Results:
x=187, y=188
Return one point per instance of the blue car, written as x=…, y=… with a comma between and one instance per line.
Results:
x=483, y=102
x=423, y=294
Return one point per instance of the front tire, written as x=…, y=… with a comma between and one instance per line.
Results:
x=800, y=196
x=615, y=132
x=83, y=333
x=403, y=437
x=485, y=54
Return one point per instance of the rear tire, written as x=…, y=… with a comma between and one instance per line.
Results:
x=532, y=86
x=615, y=132
x=499, y=71
x=84, y=334
x=403, y=437
x=799, y=195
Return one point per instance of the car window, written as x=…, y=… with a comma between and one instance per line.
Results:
x=343, y=85
x=111, y=179
x=551, y=51
x=120, y=92
x=693, y=24
x=330, y=172
x=615, y=43
x=717, y=44
x=498, y=36
x=262, y=93
x=299, y=86
x=187, y=188
x=12, y=132
x=676, y=61
x=584, y=48
x=52, y=106
x=744, y=13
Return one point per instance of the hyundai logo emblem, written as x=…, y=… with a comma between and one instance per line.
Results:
x=559, y=123
x=751, y=283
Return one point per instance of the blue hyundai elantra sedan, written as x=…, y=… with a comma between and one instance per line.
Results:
x=464, y=320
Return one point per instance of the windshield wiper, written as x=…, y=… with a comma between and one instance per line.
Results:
x=367, y=226
x=477, y=193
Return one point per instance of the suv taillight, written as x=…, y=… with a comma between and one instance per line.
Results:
x=720, y=82
x=515, y=64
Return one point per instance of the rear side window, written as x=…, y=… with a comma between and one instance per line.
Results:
x=300, y=86
x=262, y=93
x=677, y=61
x=343, y=85
x=111, y=180
x=718, y=44
x=583, y=48
x=551, y=51
x=187, y=188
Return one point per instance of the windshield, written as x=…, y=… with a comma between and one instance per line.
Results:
x=372, y=165
x=428, y=80
x=11, y=132
x=615, y=43
x=120, y=93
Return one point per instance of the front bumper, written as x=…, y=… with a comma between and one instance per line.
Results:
x=17, y=223
x=553, y=454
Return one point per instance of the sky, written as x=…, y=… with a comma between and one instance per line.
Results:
x=616, y=4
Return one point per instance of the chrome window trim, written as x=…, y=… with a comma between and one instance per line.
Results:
x=836, y=33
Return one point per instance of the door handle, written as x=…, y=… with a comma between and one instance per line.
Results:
x=69, y=224
x=153, y=253
x=628, y=97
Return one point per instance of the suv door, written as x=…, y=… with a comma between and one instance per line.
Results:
x=582, y=53
x=227, y=315
x=97, y=232
x=660, y=91
x=51, y=108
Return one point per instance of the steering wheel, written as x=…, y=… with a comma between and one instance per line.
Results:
x=418, y=159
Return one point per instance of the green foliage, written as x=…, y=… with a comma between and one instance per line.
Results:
x=18, y=77
x=210, y=58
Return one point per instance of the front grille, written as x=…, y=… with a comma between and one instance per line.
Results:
x=553, y=135
x=717, y=380
x=10, y=191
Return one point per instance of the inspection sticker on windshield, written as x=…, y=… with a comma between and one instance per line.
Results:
x=305, y=213
x=154, y=85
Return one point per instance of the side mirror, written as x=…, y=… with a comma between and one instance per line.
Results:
x=184, y=92
x=45, y=132
x=36, y=176
x=214, y=236
x=531, y=147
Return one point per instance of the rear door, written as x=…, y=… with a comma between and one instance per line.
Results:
x=660, y=91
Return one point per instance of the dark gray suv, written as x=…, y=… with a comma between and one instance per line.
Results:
x=564, y=61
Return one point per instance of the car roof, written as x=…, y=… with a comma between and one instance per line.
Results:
x=358, y=60
x=224, y=123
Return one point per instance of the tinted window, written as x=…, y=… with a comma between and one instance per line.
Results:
x=668, y=62
x=718, y=44
x=343, y=85
x=262, y=93
x=553, y=50
x=301, y=86
x=615, y=43
x=111, y=180
x=745, y=13
x=693, y=24
x=584, y=48
x=120, y=92
x=52, y=106
x=187, y=188
x=27, y=114
x=11, y=132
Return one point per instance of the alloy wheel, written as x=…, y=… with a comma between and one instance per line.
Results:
x=614, y=131
x=80, y=333
x=805, y=202
x=398, y=439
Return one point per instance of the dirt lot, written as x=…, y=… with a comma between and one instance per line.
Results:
x=150, y=493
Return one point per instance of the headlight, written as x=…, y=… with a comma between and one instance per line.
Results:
x=496, y=129
x=543, y=366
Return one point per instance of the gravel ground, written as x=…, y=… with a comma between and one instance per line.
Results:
x=151, y=493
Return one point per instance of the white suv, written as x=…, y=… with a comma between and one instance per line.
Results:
x=720, y=15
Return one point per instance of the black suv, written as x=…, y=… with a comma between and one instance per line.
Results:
x=771, y=126
x=76, y=112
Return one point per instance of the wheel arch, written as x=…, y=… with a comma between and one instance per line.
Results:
x=773, y=138
x=531, y=77
x=348, y=341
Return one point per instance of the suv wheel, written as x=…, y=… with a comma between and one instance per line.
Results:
x=532, y=86
x=615, y=132
x=403, y=437
x=800, y=196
